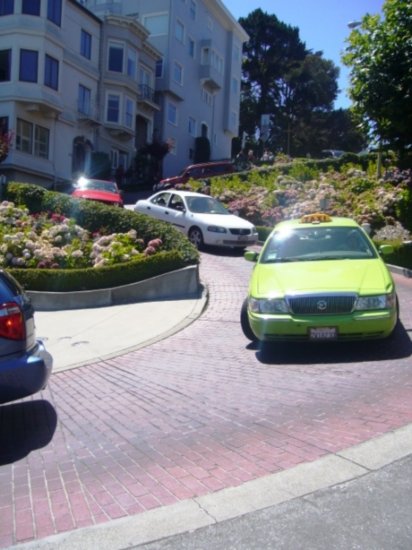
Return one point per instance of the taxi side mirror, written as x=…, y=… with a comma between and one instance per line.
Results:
x=386, y=249
x=251, y=255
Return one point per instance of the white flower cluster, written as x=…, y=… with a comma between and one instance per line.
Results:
x=58, y=242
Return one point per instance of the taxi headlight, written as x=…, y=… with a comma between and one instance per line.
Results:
x=381, y=301
x=217, y=229
x=268, y=305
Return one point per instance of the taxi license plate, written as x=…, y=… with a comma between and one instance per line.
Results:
x=323, y=333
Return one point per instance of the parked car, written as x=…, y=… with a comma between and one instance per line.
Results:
x=202, y=218
x=25, y=365
x=103, y=191
x=319, y=278
x=197, y=171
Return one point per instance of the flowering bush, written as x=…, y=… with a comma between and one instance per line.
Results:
x=271, y=197
x=54, y=241
x=6, y=139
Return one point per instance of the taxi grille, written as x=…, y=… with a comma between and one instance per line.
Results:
x=322, y=305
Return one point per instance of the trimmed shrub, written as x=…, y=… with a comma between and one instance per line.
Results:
x=67, y=280
x=98, y=218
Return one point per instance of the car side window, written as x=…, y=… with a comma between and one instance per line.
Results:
x=176, y=203
x=218, y=169
x=195, y=173
x=162, y=199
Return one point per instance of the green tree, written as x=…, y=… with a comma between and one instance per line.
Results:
x=284, y=79
x=273, y=49
x=307, y=90
x=337, y=129
x=379, y=55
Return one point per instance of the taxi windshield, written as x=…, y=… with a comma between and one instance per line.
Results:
x=318, y=243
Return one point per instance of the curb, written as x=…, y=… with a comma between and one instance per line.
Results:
x=400, y=270
x=181, y=283
x=332, y=470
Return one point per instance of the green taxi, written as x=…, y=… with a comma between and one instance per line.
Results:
x=319, y=278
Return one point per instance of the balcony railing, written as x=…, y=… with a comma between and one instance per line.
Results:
x=146, y=93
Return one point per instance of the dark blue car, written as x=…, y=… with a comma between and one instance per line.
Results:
x=25, y=365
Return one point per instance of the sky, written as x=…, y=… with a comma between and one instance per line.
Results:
x=322, y=24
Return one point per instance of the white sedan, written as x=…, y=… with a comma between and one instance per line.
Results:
x=202, y=218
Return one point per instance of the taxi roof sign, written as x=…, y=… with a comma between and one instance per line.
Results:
x=317, y=217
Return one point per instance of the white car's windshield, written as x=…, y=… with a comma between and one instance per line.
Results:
x=318, y=243
x=205, y=205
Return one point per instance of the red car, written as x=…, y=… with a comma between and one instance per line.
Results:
x=102, y=191
x=197, y=171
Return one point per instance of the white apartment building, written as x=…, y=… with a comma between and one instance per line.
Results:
x=71, y=88
x=198, y=74
x=86, y=80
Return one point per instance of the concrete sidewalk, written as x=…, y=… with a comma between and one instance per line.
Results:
x=77, y=337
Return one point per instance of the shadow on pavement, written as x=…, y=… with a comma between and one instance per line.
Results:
x=398, y=346
x=25, y=427
x=224, y=251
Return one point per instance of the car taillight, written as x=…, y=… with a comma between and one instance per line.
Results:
x=12, y=325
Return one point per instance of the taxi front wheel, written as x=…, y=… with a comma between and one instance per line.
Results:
x=244, y=323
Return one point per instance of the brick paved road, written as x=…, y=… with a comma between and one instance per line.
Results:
x=198, y=412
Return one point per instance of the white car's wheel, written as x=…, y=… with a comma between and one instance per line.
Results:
x=196, y=237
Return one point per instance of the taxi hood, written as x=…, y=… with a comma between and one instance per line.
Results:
x=366, y=276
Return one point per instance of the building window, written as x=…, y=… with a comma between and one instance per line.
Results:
x=235, y=86
x=30, y=7
x=128, y=112
x=5, y=65
x=131, y=63
x=51, y=72
x=54, y=11
x=28, y=65
x=172, y=113
x=193, y=9
x=207, y=97
x=159, y=68
x=205, y=56
x=84, y=100
x=191, y=47
x=86, y=44
x=157, y=24
x=114, y=157
x=24, y=136
x=4, y=125
x=180, y=31
x=145, y=77
x=116, y=58
x=6, y=7
x=177, y=73
x=192, y=126
x=113, y=108
x=41, y=142
x=32, y=139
